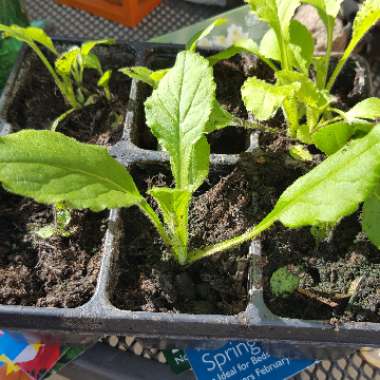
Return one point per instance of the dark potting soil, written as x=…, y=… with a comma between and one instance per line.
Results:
x=341, y=274
x=58, y=272
x=150, y=280
x=230, y=75
x=38, y=101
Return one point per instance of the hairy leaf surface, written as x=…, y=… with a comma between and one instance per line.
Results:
x=179, y=109
x=51, y=168
x=264, y=99
x=333, y=189
x=174, y=206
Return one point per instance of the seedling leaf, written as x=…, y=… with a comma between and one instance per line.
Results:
x=140, y=73
x=264, y=99
x=366, y=109
x=332, y=137
x=283, y=283
x=28, y=35
x=219, y=118
x=367, y=16
x=65, y=62
x=174, y=206
x=335, y=188
x=199, y=163
x=89, y=45
x=301, y=45
x=179, y=109
x=105, y=79
x=52, y=168
x=277, y=13
x=192, y=44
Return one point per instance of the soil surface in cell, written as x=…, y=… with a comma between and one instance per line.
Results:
x=339, y=273
x=38, y=102
x=59, y=271
x=148, y=278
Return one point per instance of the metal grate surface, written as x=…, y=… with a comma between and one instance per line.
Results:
x=167, y=17
x=350, y=368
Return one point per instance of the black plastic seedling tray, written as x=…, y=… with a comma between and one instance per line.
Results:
x=316, y=339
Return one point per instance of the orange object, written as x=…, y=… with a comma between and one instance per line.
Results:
x=126, y=12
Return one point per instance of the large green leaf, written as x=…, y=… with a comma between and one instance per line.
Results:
x=264, y=99
x=371, y=217
x=51, y=168
x=174, y=206
x=333, y=189
x=29, y=35
x=179, y=109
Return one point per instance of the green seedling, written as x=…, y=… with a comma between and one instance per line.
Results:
x=68, y=68
x=283, y=283
x=302, y=87
x=52, y=168
x=61, y=225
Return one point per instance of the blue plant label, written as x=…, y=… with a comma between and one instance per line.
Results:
x=11, y=345
x=243, y=361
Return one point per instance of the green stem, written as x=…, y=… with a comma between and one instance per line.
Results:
x=283, y=51
x=252, y=125
x=179, y=250
x=340, y=66
x=153, y=217
x=327, y=122
x=107, y=93
x=338, y=111
x=330, y=40
x=234, y=242
x=52, y=72
x=60, y=118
